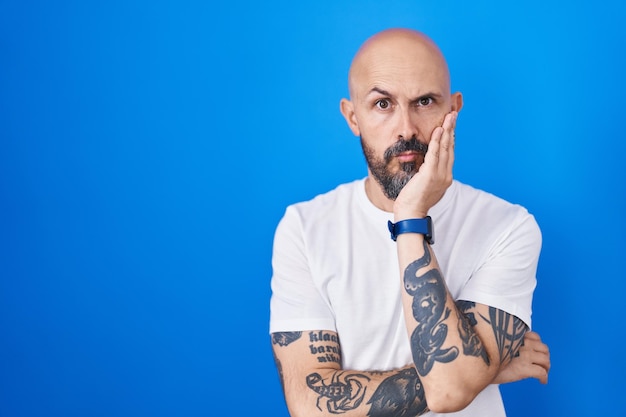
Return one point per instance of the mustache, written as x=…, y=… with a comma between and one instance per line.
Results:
x=405, y=146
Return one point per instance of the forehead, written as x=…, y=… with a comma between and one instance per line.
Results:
x=400, y=79
x=401, y=66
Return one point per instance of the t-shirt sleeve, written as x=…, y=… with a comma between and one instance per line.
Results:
x=507, y=277
x=296, y=303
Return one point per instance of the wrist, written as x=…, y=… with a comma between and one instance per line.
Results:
x=403, y=211
x=408, y=213
x=423, y=226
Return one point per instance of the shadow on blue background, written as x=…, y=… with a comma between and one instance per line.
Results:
x=148, y=150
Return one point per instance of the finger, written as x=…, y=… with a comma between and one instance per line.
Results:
x=542, y=347
x=542, y=376
x=447, y=145
x=452, y=143
x=536, y=370
x=540, y=359
x=538, y=366
x=532, y=335
x=432, y=155
x=533, y=340
x=544, y=362
x=537, y=347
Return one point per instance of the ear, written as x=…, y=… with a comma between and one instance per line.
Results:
x=457, y=101
x=347, y=109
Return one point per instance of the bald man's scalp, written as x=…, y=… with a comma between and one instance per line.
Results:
x=397, y=43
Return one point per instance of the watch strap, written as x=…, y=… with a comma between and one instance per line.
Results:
x=423, y=226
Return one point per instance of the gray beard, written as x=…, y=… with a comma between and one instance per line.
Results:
x=392, y=183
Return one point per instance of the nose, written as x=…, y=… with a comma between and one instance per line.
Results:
x=407, y=124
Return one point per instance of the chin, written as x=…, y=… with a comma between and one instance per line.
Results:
x=408, y=169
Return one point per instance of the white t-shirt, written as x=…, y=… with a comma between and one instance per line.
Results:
x=335, y=268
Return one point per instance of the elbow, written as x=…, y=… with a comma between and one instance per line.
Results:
x=457, y=392
x=449, y=400
x=299, y=407
x=294, y=411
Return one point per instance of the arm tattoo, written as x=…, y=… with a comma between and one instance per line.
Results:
x=508, y=343
x=325, y=346
x=344, y=392
x=472, y=345
x=400, y=395
x=508, y=330
x=429, y=309
x=285, y=338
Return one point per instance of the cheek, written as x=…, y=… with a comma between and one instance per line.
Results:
x=379, y=134
x=430, y=123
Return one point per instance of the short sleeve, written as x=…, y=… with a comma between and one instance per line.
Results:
x=507, y=278
x=296, y=303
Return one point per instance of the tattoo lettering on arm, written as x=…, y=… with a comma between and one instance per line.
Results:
x=429, y=309
x=326, y=346
x=344, y=392
x=400, y=395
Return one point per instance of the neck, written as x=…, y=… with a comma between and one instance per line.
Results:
x=376, y=195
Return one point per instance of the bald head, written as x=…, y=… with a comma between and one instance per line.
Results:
x=399, y=94
x=392, y=50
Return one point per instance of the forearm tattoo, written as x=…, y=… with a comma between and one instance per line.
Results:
x=472, y=345
x=400, y=395
x=345, y=390
x=429, y=309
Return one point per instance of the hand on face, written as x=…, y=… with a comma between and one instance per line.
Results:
x=429, y=184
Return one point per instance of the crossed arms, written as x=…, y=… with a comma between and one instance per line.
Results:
x=458, y=347
x=314, y=383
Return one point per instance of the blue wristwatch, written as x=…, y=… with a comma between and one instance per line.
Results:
x=423, y=226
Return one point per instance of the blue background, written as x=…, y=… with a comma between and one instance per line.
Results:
x=148, y=150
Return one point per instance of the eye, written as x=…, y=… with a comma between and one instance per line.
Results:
x=425, y=101
x=382, y=104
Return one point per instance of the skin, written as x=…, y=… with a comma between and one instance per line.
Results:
x=400, y=89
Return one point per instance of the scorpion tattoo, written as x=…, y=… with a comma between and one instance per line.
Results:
x=342, y=394
x=429, y=309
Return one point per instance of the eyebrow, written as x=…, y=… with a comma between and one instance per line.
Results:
x=379, y=91
x=388, y=94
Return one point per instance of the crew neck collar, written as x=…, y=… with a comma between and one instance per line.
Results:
x=374, y=211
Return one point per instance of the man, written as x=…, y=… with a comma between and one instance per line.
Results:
x=367, y=325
